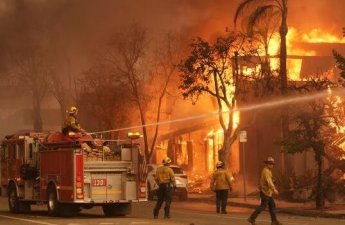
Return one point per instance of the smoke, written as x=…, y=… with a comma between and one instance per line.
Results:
x=78, y=27
x=327, y=15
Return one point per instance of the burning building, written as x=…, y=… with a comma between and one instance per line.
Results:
x=195, y=146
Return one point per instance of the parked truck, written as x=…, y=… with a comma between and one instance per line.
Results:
x=69, y=173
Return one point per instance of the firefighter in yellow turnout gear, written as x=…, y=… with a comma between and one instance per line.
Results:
x=221, y=184
x=267, y=189
x=71, y=122
x=165, y=179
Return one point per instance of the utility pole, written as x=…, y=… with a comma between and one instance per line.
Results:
x=243, y=140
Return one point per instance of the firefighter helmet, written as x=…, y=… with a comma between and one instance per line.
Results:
x=270, y=160
x=72, y=110
x=219, y=164
x=166, y=160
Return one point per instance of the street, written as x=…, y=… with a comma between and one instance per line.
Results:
x=183, y=213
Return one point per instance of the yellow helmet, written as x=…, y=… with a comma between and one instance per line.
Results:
x=166, y=160
x=72, y=110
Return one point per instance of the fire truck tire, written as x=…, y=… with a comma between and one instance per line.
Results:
x=52, y=201
x=13, y=202
x=117, y=209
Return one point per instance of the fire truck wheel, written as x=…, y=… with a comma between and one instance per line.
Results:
x=13, y=202
x=52, y=201
x=117, y=209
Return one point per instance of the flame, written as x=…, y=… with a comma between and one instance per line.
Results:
x=235, y=117
x=318, y=36
x=337, y=103
x=293, y=36
x=294, y=65
x=247, y=71
x=274, y=45
x=210, y=133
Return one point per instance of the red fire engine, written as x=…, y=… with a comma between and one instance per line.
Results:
x=69, y=173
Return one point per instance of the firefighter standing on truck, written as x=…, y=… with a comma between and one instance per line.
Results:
x=221, y=184
x=71, y=122
x=165, y=179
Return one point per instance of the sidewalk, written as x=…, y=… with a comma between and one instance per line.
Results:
x=300, y=209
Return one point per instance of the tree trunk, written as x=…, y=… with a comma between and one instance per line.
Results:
x=224, y=154
x=320, y=201
x=144, y=129
x=36, y=113
x=283, y=54
x=284, y=83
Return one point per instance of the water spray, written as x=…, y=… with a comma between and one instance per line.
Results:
x=268, y=104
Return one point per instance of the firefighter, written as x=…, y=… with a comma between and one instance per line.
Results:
x=267, y=189
x=221, y=184
x=71, y=122
x=165, y=179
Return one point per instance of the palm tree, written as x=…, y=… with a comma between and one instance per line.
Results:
x=260, y=9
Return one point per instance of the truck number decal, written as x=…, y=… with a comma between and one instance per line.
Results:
x=99, y=182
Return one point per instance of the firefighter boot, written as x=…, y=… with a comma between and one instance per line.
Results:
x=155, y=214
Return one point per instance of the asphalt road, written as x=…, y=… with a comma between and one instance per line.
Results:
x=183, y=213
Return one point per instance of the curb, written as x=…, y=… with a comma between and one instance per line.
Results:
x=297, y=212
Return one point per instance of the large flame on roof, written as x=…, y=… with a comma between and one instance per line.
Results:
x=294, y=65
x=319, y=36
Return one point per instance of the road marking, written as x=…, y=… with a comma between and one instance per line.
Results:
x=27, y=220
x=241, y=218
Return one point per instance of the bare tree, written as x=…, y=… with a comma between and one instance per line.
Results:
x=32, y=71
x=145, y=74
x=102, y=99
x=164, y=69
x=57, y=89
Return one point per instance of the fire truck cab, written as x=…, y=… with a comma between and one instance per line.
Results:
x=70, y=173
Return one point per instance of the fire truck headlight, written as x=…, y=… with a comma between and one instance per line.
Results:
x=71, y=134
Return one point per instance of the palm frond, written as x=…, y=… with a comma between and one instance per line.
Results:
x=257, y=15
x=242, y=6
